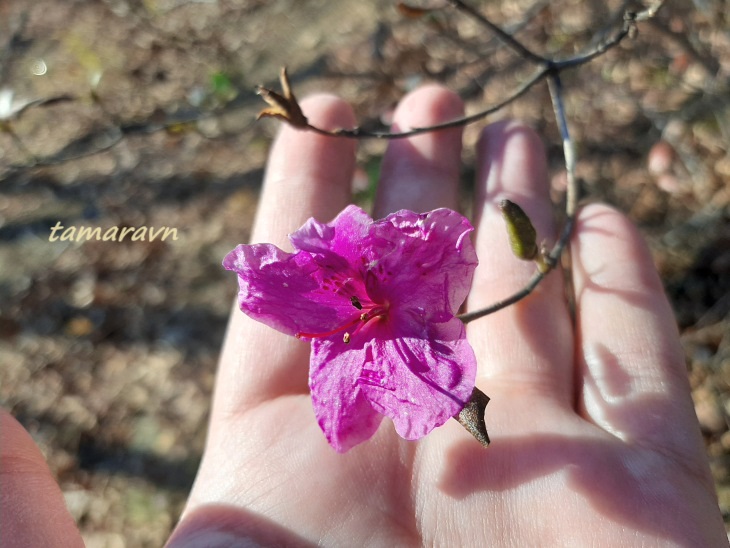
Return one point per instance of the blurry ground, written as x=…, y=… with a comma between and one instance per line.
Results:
x=108, y=350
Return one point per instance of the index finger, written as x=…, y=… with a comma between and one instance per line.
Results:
x=308, y=175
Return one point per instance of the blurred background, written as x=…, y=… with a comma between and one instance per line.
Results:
x=133, y=113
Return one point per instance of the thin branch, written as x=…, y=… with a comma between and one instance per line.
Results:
x=512, y=299
x=547, y=66
x=505, y=37
x=571, y=204
x=629, y=24
x=571, y=198
x=552, y=69
x=651, y=11
x=17, y=111
x=88, y=145
x=359, y=133
x=552, y=258
x=75, y=150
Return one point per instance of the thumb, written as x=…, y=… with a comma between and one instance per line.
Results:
x=32, y=508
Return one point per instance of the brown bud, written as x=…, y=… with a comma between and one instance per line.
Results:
x=285, y=107
x=472, y=416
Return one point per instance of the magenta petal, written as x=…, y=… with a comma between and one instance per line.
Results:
x=343, y=236
x=283, y=290
x=391, y=289
x=420, y=382
x=343, y=413
x=423, y=261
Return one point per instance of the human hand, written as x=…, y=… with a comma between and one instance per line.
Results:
x=594, y=438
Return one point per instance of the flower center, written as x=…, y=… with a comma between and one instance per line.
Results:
x=368, y=312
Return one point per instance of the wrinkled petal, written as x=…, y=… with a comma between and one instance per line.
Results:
x=420, y=383
x=342, y=237
x=423, y=261
x=393, y=286
x=288, y=291
x=343, y=413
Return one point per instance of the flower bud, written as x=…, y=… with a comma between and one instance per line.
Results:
x=522, y=235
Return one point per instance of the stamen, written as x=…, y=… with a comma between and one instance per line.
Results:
x=303, y=335
x=373, y=312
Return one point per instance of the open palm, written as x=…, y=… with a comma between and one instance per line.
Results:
x=594, y=439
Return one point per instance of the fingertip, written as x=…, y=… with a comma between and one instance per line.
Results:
x=296, y=150
x=427, y=105
x=512, y=160
x=511, y=164
x=328, y=111
x=308, y=174
x=421, y=172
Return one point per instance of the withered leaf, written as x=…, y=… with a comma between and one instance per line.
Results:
x=285, y=107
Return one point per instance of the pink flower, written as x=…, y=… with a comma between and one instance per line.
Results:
x=377, y=299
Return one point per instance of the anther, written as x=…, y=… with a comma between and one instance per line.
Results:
x=346, y=338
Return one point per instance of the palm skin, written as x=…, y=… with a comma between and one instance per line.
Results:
x=594, y=438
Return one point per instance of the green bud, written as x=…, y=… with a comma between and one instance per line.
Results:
x=522, y=235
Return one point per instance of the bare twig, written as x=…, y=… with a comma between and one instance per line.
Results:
x=359, y=133
x=506, y=38
x=552, y=258
x=628, y=26
x=499, y=305
x=556, y=95
x=547, y=68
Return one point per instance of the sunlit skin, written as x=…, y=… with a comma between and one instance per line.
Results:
x=594, y=437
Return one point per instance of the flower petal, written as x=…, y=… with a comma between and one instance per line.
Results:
x=420, y=382
x=343, y=413
x=292, y=293
x=343, y=236
x=394, y=287
x=422, y=261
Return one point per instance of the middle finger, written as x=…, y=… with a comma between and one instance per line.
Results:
x=421, y=173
